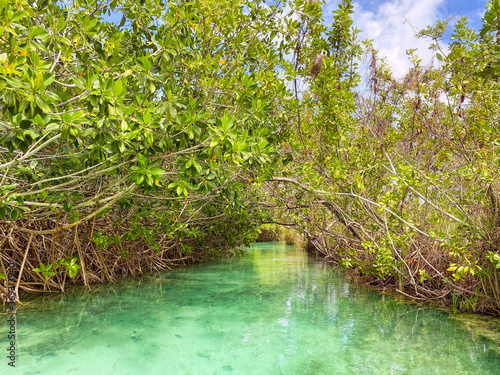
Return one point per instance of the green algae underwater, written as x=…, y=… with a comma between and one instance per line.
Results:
x=275, y=310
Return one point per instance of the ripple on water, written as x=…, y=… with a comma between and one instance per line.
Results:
x=274, y=311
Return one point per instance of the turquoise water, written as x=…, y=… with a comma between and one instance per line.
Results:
x=274, y=311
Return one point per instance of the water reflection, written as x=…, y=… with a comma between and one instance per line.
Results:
x=275, y=311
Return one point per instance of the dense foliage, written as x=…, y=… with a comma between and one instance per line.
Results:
x=128, y=145
x=401, y=182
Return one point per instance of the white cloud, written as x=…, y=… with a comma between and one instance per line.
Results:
x=390, y=23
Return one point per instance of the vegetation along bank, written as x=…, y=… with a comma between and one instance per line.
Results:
x=137, y=135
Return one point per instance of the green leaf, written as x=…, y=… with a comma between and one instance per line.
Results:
x=42, y=105
x=52, y=126
x=123, y=126
x=14, y=214
x=4, y=211
x=17, y=16
x=73, y=269
x=48, y=78
x=25, y=124
x=139, y=179
x=61, y=24
x=142, y=160
x=118, y=87
x=38, y=120
x=263, y=143
x=157, y=171
x=79, y=83
x=67, y=206
x=227, y=122
x=121, y=146
x=152, y=87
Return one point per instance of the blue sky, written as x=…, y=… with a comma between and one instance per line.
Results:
x=384, y=22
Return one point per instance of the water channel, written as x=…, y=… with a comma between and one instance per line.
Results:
x=273, y=311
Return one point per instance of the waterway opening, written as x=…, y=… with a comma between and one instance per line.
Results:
x=273, y=311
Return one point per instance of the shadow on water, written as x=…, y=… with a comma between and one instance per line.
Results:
x=273, y=311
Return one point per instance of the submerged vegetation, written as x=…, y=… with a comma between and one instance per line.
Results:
x=135, y=135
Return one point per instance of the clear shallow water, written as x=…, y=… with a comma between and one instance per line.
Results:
x=274, y=311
